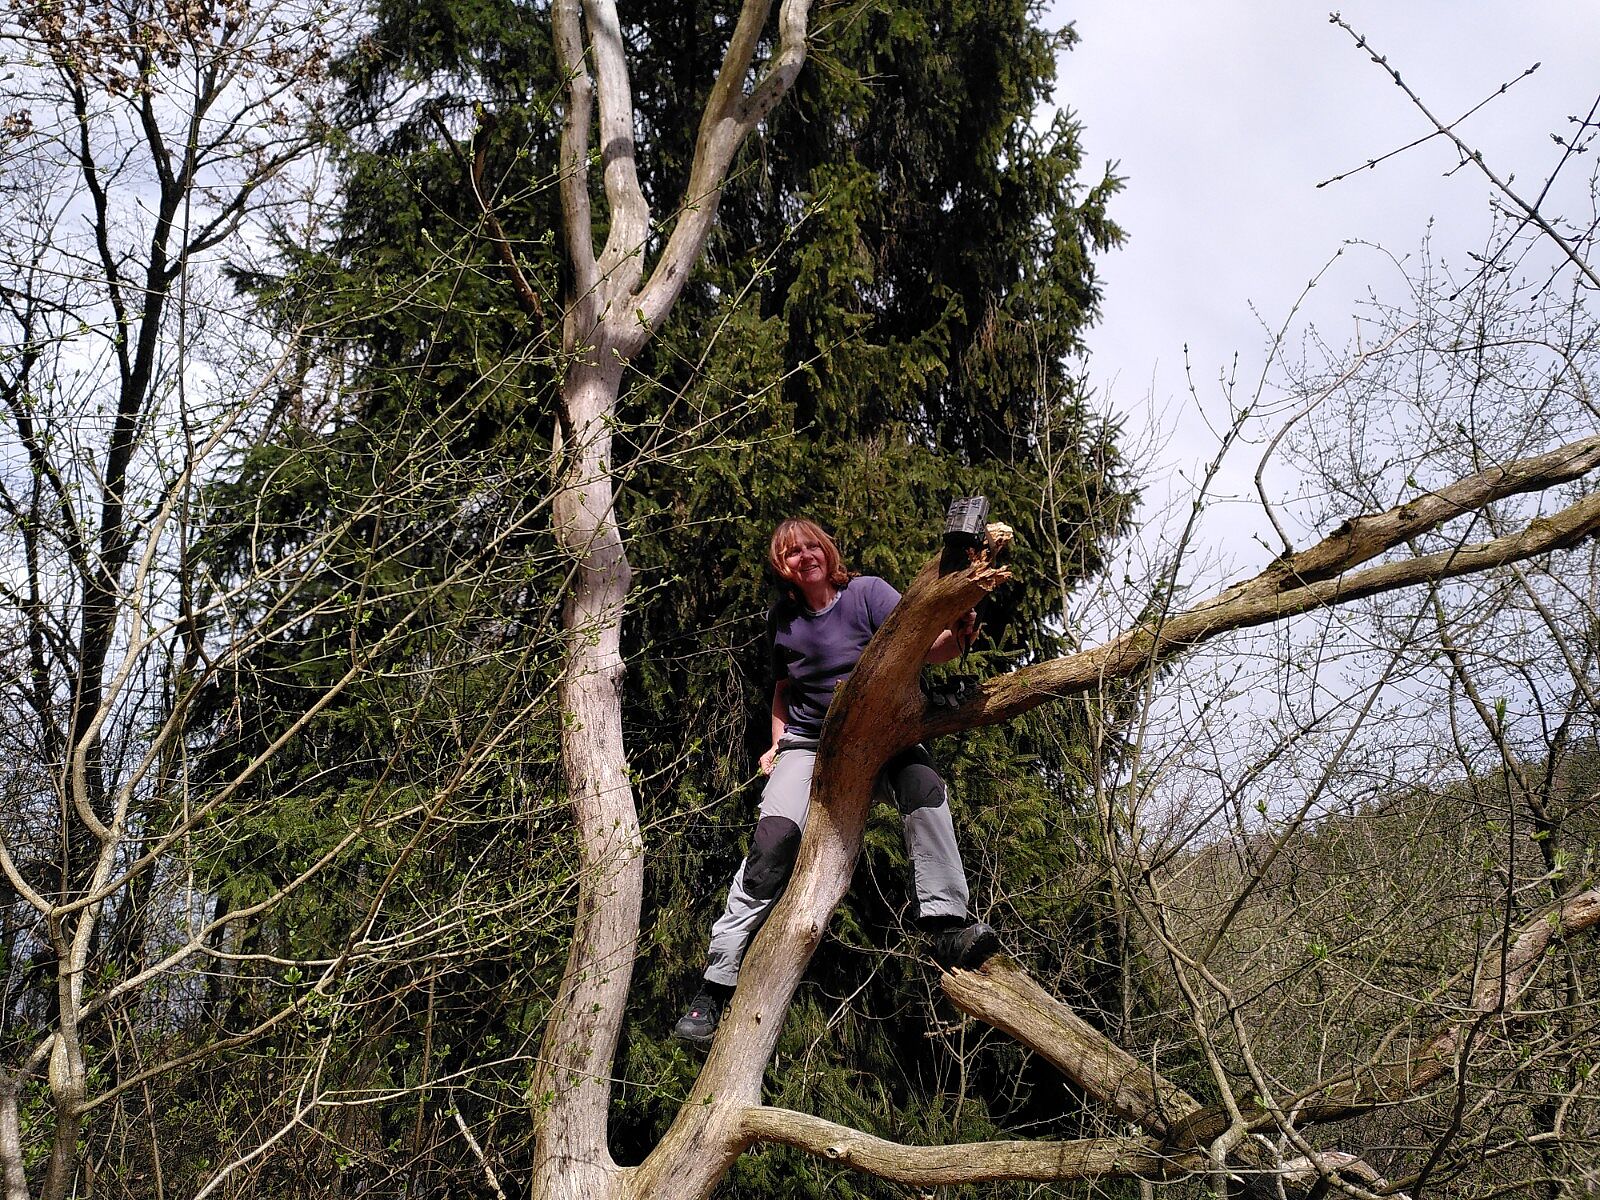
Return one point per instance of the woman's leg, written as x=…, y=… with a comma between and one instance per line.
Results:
x=919, y=793
x=760, y=878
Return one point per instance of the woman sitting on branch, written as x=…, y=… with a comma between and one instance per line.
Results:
x=817, y=631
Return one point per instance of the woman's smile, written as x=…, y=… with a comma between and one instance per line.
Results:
x=807, y=563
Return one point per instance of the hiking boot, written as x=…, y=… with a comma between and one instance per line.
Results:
x=698, y=1025
x=966, y=946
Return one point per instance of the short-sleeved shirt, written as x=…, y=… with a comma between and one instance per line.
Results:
x=814, y=651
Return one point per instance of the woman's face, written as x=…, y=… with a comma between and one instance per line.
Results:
x=805, y=562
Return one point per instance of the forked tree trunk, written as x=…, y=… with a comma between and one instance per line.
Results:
x=611, y=312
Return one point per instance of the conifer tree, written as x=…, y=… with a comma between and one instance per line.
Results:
x=887, y=318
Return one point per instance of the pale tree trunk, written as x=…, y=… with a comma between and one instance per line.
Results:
x=610, y=315
x=573, y=1086
x=11, y=1170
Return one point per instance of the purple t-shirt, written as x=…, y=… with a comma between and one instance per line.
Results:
x=814, y=651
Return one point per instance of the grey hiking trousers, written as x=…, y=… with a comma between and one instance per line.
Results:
x=916, y=789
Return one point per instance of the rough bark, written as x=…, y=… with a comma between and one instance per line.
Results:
x=1005, y=996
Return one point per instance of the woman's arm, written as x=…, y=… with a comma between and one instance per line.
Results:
x=954, y=640
x=780, y=722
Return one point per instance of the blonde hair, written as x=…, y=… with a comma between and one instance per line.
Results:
x=797, y=531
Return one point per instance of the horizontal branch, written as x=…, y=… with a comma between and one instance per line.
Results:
x=1003, y=995
x=1363, y=538
x=968, y=1162
x=1319, y=577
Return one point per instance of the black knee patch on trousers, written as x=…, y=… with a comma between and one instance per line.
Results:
x=914, y=781
x=772, y=854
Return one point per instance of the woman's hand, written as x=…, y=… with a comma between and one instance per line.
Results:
x=966, y=629
x=955, y=639
x=767, y=759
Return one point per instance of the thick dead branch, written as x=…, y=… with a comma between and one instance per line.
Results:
x=1365, y=537
x=1318, y=577
x=970, y=1162
x=1005, y=996
x=731, y=115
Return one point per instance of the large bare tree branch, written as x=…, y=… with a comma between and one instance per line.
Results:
x=731, y=115
x=606, y=323
x=1005, y=996
x=1315, y=578
x=620, y=260
x=583, y=306
x=969, y=1162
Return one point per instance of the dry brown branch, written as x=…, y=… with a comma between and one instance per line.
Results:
x=969, y=1162
x=1005, y=996
x=1317, y=577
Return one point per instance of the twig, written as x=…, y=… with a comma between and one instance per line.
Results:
x=1468, y=154
x=477, y=1150
x=1272, y=446
x=1427, y=137
x=497, y=234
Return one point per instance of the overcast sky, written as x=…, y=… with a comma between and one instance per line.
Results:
x=1223, y=117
